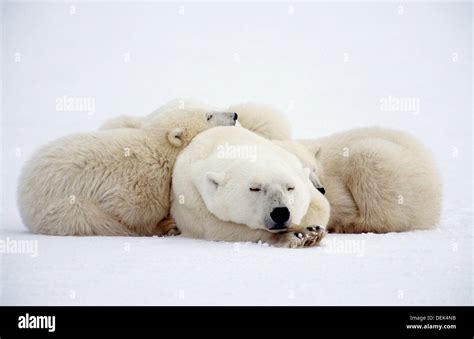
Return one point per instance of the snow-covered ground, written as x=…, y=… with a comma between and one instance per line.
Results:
x=416, y=268
x=328, y=66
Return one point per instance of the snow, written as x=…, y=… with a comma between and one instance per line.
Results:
x=414, y=268
x=328, y=66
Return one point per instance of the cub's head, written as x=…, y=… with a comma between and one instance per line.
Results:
x=189, y=123
x=180, y=121
x=262, y=196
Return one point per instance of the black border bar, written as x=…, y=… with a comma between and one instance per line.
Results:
x=143, y=319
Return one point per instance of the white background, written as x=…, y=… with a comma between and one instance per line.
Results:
x=328, y=66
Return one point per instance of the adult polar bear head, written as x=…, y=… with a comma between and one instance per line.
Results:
x=263, y=194
x=238, y=177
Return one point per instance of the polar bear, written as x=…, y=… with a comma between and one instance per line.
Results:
x=231, y=184
x=262, y=119
x=110, y=182
x=377, y=180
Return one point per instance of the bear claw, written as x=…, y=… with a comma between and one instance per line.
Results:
x=299, y=235
x=307, y=237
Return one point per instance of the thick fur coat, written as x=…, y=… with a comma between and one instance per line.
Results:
x=110, y=182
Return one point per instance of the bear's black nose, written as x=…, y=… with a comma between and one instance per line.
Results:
x=236, y=116
x=280, y=215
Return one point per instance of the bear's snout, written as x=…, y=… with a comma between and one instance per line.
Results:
x=280, y=214
x=280, y=217
x=222, y=118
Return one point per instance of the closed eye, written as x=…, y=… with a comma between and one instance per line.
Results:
x=291, y=188
x=255, y=189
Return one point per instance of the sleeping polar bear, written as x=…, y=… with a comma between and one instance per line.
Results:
x=111, y=182
x=264, y=120
x=377, y=180
x=231, y=184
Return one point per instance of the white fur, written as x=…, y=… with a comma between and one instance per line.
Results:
x=378, y=180
x=109, y=182
x=123, y=121
x=211, y=197
x=261, y=119
x=387, y=182
x=264, y=120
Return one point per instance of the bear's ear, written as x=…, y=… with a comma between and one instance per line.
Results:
x=175, y=137
x=216, y=178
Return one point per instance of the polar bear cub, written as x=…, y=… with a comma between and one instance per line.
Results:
x=230, y=184
x=378, y=180
x=110, y=182
x=262, y=119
